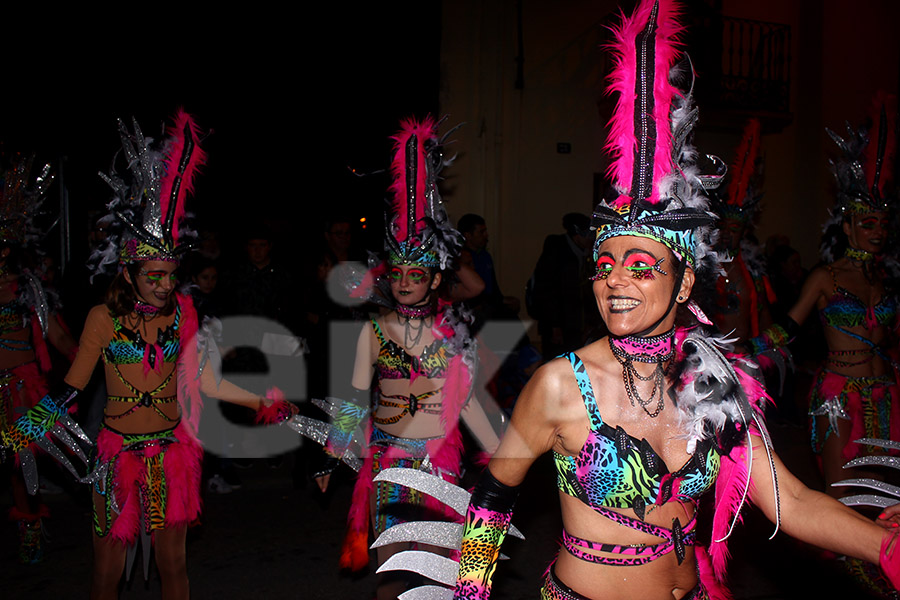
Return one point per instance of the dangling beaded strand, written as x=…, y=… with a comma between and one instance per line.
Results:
x=659, y=349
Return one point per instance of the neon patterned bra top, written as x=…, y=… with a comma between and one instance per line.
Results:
x=13, y=319
x=846, y=309
x=393, y=362
x=615, y=470
x=129, y=347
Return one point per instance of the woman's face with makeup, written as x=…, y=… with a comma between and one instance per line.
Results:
x=411, y=284
x=633, y=284
x=154, y=282
x=868, y=232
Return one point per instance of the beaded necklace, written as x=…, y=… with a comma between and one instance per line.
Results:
x=858, y=255
x=658, y=349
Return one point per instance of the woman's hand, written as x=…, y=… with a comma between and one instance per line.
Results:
x=890, y=517
x=322, y=482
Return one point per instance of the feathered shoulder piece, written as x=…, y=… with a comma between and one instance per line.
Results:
x=146, y=219
x=660, y=192
x=742, y=198
x=719, y=395
x=23, y=195
x=418, y=230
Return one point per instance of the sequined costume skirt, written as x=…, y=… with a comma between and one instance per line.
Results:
x=554, y=589
x=145, y=482
x=21, y=388
x=870, y=404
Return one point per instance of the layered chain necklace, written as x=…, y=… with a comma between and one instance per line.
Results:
x=419, y=314
x=658, y=349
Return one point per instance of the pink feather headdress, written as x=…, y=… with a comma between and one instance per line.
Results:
x=418, y=231
x=660, y=193
x=147, y=213
x=741, y=200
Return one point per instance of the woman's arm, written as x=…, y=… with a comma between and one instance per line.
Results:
x=94, y=338
x=477, y=421
x=470, y=283
x=812, y=516
x=60, y=337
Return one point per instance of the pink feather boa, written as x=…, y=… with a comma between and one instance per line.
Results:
x=189, y=398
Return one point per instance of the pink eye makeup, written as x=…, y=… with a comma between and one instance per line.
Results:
x=416, y=275
x=604, y=268
x=396, y=274
x=155, y=277
x=642, y=265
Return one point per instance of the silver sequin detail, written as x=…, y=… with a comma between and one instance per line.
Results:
x=834, y=410
x=438, y=568
x=427, y=592
x=436, y=533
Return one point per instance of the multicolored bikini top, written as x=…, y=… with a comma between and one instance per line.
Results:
x=846, y=309
x=394, y=362
x=615, y=470
x=128, y=347
x=13, y=319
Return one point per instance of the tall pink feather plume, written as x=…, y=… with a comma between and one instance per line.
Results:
x=422, y=130
x=172, y=164
x=622, y=141
x=889, y=103
x=729, y=497
x=744, y=163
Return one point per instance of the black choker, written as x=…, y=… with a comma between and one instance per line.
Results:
x=659, y=349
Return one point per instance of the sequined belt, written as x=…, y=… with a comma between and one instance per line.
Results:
x=675, y=539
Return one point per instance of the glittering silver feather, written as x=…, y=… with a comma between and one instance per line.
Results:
x=890, y=494
x=436, y=533
x=427, y=592
x=318, y=431
x=433, y=566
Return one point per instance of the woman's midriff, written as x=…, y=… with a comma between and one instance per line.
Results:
x=10, y=359
x=425, y=423
x=660, y=579
x=131, y=417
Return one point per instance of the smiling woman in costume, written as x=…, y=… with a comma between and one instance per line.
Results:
x=416, y=361
x=643, y=422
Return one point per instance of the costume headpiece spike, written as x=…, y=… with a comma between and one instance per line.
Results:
x=418, y=231
x=21, y=201
x=660, y=191
x=880, y=152
x=646, y=49
x=741, y=200
x=147, y=212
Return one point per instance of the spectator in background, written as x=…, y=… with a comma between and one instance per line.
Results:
x=560, y=287
x=490, y=303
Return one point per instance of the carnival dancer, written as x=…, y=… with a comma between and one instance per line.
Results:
x=28, y=320
x=417, y=360
x=743, y=292
x=644, y=421
x=855, y=393
x=146, y=476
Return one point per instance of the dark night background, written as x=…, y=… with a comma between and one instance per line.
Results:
x=291, y=98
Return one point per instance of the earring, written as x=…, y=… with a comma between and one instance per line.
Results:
x=680, y=298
